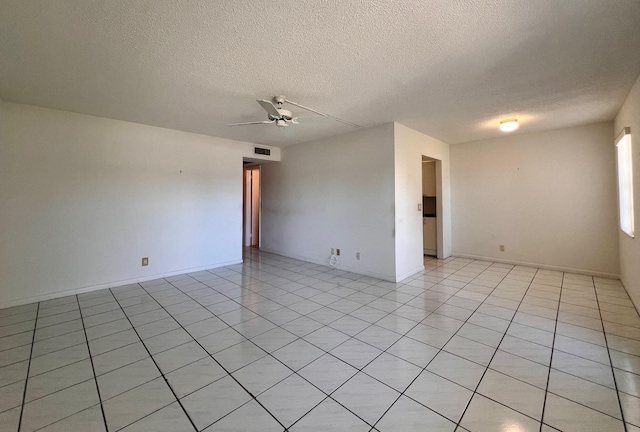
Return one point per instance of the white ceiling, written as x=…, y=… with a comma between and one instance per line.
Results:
x=449, y=68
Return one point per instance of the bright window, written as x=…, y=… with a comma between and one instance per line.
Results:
x=625, y=181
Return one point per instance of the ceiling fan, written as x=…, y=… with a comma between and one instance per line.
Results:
x=283, y=117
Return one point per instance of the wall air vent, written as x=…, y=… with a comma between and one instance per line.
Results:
x=262, y=151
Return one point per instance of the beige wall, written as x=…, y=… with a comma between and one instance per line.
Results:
x=549, y=197
x=83, y=199
x=629, y=116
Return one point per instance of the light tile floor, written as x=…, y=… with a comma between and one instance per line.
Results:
x=278, y=344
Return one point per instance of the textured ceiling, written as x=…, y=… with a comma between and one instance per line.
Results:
x=449, y=68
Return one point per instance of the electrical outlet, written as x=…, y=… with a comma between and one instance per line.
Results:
x=145, y=261
x=501, y=248
x=333, y=251
x=358, y=256
x=338, y=251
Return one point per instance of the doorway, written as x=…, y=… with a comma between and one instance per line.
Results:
x=251, y=207
x=432, y=218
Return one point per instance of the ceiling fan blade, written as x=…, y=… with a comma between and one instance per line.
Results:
x=251, y=123
x=269, y=107
x=313, y=120
x=288, y=132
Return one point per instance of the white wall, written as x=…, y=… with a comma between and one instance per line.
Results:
x=629, y=116
x=83, y=199
x=334, y=193
x=549, y=197
x=409, y=147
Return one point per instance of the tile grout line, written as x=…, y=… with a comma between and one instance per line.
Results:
x=26, y=380
x=613, y=372
x=403, y=393
x=210, y=355
x=93, y=369
x=238, y=300
x=157, y=367
x=294, y=372
x=475, y=391
x=553, y=343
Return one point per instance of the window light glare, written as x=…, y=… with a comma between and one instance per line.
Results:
x=509, y=125
x=625, y=181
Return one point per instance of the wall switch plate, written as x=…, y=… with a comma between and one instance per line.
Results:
x=145, y=261
x=358, y=256
x=501, y=248
x=419, y=207
x=338, y=252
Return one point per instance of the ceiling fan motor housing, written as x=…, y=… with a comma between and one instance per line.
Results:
x=284, y=115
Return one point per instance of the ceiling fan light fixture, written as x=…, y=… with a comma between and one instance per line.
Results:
x=509, y=125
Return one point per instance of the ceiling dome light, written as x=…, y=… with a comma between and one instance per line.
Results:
x=509, y=125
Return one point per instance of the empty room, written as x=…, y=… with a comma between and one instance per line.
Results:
x=323, y=215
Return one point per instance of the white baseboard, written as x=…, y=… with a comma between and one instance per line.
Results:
x=339, y=266
x=635, y=301
x=82, y=290
x=542, y=266
x=410, y=273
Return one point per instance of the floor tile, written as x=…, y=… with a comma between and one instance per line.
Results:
x=56, y=406
x=392, y=371
x=58, y=359
x=137, y=403
x=249, y=417
x=457, y=369
x=118, y=358
x=11, y=395
x=379, y=337
x=194, y=376
x=90, y=419
x=297, y=354
x=291, y=399
x=441, y=395
x=413, y=351
x=520, y=368
x=628, y=382
x=179, y=356
x=10, y=419
x=358, y=354
x=513, y=393
x=58, y=379
x=529, y=350
x=486, y=415
x=214, y=401
x=124, y=379
x=327, y=373
x=630, y=408
x=461, y=306
x=583, y=368
x=595, y=396
x=13, y=373
x=168, y=419
x=470, y=350
x=261, y=374
x=408, y=415
x=569, y=416
x=326, y=338
x=240, y=355
x=429, y=335
x=330, y=416
x=274, y=339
